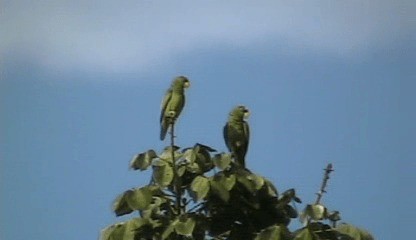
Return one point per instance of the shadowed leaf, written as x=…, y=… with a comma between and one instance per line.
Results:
x=354, y=232
x=139, y=199
x=306, y=234
x=162, y=173
x=113, y=232
x=143, y=160
x=270, y=233
x=120, y=205
x=219, y=190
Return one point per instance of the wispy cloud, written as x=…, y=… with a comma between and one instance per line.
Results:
x=126, y=35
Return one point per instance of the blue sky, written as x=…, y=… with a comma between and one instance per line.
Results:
x=326, y=81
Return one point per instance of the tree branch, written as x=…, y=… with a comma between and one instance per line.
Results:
x=176, y=180
x=321, y=192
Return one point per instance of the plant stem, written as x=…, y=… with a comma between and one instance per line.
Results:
x=321, y=192
x=176, y=180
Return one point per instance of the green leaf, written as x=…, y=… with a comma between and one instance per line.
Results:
x=271, y=189
x=189, y=155
x=290, y=211
x=200, y=146
x=316, y=211
x=306, y=234
x=203, y=157
x=270, y=233
x=354, y=232
x=113, y=232
x=287, y=196
x=169, y=229
x=162, y=174
x=133, y=226
x=181, y=171
x=200, y=187
x=227, y=182
x=222, y=160
x=257, y=181
x=219, y=190
x=139, y=199
x=185, y=226
x=193, y=168
x=143, y=160
x=120, y=205
x=246, y=180
x=166, y=155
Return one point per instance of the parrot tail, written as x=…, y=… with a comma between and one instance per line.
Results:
x=163, y=129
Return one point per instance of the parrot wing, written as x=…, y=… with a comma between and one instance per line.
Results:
x=164, y=125
x=225, y=134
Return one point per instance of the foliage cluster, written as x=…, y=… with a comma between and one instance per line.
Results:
x=199, y=193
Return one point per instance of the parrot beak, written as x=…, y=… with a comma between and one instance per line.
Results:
x=187, y=84
x=246, y=113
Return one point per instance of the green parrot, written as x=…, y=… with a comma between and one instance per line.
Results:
x=172, y=104
x=237, y=133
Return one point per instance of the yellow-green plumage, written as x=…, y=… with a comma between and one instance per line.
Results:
x=172, y=104
x=237, y=134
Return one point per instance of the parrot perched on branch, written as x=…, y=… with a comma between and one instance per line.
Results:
x=172, y=104
x=237, y=134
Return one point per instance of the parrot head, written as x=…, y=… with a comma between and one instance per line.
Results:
x=240, y=112
x=181, y=82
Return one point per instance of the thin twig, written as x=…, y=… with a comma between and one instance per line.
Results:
x=321, y=192
x=176, y=180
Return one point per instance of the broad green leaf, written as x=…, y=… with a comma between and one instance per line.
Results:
x=257, y=181
x=114, y=232
x=204, y=161
x=163, y=175
x=200, y=187
x=306, y=234
x=166, y=155
x=181, y=171
x=153, y=208
x=354, y=232
x=143, y=160
x=219, y=190
x=316, y=211
x=139, y=199
x=120, y=205
x=287, y=196
x=159, y=163
x=228, y=181
x=244, y=179
x=185, y=226
x=270, y=233
x=199, y=146
x=203, y=157
x=193, y=168
x=133, y=226
x=189, y=155
x=156, y=190
x=222, y=160
x=271, y=189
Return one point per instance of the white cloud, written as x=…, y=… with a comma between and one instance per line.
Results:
x=127, y=35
